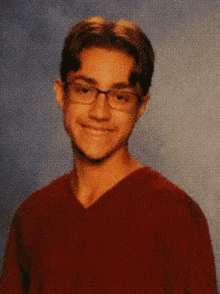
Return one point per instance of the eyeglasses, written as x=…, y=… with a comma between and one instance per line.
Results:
x=84, y=93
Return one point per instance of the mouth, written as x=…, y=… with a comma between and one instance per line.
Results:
x=97, y=130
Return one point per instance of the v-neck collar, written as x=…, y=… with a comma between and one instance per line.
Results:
x=111, y=190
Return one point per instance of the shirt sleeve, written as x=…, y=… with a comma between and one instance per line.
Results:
x=202, y=276
x=184, y=252
x=14, y=279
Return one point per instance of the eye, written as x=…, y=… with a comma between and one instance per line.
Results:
x=121, y=97
x=124, y=97
x=81, y=89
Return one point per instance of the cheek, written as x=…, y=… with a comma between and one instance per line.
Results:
x=126, y=123
x=69, y=118
x=72, y=113
x=128, y=119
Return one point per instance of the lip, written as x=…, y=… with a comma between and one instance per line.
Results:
x=96, y=129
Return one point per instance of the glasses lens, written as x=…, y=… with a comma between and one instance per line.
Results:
x=82, y=93
x=122, y=100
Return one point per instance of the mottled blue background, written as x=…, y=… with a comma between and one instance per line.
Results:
x=179, y=134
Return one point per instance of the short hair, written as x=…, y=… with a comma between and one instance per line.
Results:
x=120, y=35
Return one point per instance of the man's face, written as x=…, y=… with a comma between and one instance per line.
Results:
x=98, y=130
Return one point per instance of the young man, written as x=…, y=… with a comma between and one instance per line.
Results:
x=111, y=225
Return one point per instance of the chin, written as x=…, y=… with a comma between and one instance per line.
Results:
x=94, y=157
x=91, y=157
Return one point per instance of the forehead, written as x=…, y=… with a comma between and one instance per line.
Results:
x=105, y=66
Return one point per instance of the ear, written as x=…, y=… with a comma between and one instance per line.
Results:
x=143, y=105
x=59, y=92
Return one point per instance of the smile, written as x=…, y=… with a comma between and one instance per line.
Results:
x=97, y=130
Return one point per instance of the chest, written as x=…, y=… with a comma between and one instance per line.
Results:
x=103, y=249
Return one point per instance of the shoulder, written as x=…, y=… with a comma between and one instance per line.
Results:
x=174, y=214
x=167, y=198
x=43, y=211
x=45, y=197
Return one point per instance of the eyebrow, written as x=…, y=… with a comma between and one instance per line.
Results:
x=85, y=79
x=120, y=85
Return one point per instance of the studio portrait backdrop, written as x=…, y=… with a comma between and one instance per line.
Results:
x=177, y=136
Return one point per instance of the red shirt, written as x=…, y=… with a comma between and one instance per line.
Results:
x=142, y=236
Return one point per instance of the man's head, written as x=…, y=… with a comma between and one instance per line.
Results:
x=121, y=35
x=106, y=72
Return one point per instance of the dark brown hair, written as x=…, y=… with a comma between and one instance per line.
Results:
x=120, y=35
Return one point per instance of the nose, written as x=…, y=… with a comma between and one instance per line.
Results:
x=100, y=109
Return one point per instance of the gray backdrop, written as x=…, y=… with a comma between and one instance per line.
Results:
x=179, y=134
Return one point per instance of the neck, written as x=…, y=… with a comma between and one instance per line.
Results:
x=92, y=179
